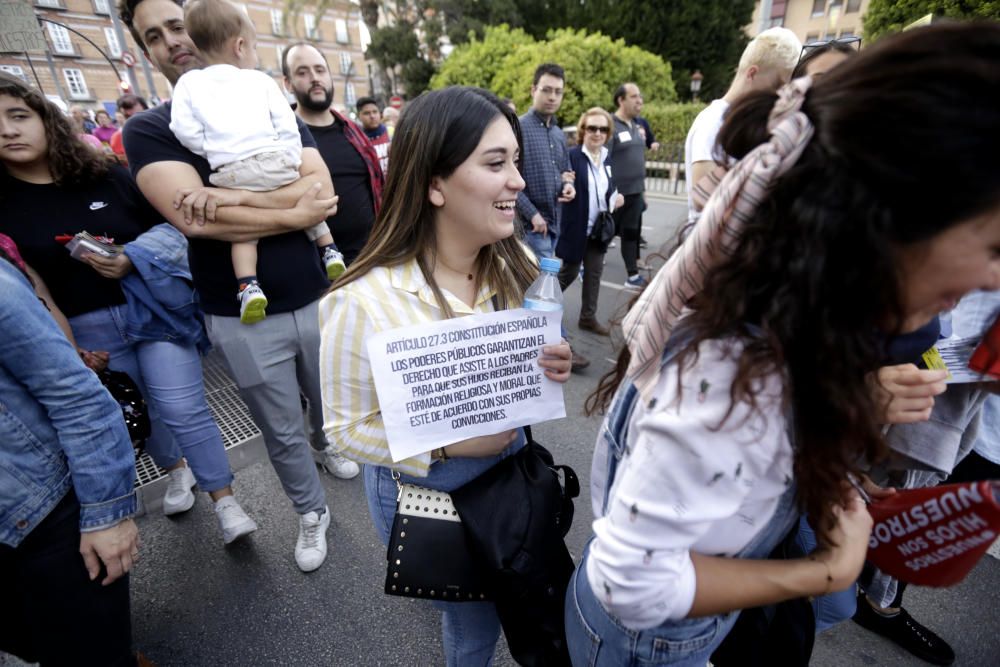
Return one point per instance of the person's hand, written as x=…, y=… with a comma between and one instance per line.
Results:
x=482, y=446
x=619, y=201
x=655, y=146
x=906, y=393
x=110, y=267
x=312, y=209
x=849, y=542
x=117, y=547
x=568, y=193
x=557, y=360
x=95, y=360
x=874, y=491
x=199, y=204
x=538, y=224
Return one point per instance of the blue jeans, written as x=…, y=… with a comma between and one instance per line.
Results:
x=170, y=379
x=542, y=246
x=469, y=629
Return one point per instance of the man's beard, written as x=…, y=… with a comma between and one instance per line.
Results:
x=307, y=100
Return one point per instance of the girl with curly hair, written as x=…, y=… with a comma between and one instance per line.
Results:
x=813, y=253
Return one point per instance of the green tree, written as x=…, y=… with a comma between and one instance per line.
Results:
x=706, y=35
x=504, y=61
x=890, y=16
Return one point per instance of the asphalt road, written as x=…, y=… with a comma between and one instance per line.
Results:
x=196, y=602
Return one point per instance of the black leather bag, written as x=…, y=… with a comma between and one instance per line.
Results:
x=429, y=555
x=125, y=391
x=516, y=515
x=604, y=228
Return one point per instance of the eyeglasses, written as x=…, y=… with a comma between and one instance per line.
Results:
x=597, y=129
x=847, y=40
x=547, y=90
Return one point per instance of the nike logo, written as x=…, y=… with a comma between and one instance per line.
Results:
x=97, y=205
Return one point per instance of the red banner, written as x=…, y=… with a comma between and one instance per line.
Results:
x=934, y=537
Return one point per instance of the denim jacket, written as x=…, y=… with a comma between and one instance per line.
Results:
x=161, y=303
x=58, y=425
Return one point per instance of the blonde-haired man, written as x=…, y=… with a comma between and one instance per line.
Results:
x=766, y=64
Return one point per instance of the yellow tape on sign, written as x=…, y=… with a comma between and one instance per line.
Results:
x=934, y=360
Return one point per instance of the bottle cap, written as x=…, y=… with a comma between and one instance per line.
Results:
x=551, y=264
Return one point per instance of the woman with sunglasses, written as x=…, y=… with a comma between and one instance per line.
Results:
x=591, y=164
x=742, y=399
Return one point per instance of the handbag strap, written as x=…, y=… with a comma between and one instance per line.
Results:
x=593, y=172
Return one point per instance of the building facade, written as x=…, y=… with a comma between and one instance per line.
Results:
x=90, y=73
x=810, y=20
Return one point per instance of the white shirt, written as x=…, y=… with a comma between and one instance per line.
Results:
x=597, y=187
x=700, y=143
x=226, y=114
x=687, y=484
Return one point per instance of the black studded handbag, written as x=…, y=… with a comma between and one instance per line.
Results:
x=429, y=555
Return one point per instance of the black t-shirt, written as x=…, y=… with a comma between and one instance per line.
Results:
x=34, y=215
x=355, y=210
x=288, y=265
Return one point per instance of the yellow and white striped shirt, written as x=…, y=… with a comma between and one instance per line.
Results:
x=382, y=299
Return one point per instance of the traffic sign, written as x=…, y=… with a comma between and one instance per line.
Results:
x=128, y=59
x=396, y=102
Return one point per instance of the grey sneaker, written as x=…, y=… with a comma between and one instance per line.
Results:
x=310, y=548
x=233, y=521
x=337, y=465
x=179, y=497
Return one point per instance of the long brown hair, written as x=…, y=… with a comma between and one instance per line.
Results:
x=816, y=270
x=70, y=161
x=437, y=132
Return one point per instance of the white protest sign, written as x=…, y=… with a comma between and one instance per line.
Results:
x=441, y=382
x=19, y=29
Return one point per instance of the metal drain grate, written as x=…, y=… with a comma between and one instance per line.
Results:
x=228, y=410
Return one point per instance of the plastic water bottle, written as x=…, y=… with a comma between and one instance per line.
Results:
x=545, y=293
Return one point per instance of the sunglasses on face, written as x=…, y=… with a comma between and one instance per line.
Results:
x=597, y=129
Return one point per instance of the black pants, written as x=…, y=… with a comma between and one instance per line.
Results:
x=628, y=224
x=50, y=611
x=593, y=269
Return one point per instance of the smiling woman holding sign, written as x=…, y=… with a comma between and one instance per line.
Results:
x=814, y=250
x=443, y=246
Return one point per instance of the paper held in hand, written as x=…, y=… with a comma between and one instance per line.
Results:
x=442, y=382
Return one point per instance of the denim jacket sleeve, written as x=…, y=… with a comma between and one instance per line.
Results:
x=87, y=422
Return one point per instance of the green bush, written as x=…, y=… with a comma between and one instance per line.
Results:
x=671, y=122
x=504, y=61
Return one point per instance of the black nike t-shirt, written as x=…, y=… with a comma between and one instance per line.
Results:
x=355, y=214
x=34, y=215
x=288, y=265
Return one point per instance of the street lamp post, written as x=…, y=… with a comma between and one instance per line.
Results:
x=114, y=69
x=696, y=78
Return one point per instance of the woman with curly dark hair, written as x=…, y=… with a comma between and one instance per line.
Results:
x=54, y=187
x=814, y=252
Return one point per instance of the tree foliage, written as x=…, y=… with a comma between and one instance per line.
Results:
x=890, y=16
x=504, y=61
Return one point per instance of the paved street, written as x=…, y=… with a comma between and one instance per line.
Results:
x=198, y=603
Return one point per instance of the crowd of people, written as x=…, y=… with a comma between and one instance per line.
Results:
x=768, y=367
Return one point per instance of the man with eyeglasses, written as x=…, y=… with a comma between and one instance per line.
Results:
x=628, y=163
x=766, y=64
x=544, y=163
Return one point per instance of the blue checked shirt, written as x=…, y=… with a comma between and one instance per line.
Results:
x=544, y=159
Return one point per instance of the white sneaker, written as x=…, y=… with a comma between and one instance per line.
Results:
x=253, y=304
x=337, y=465
x=233, y=521
x=310, y=548
x=179, y=497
